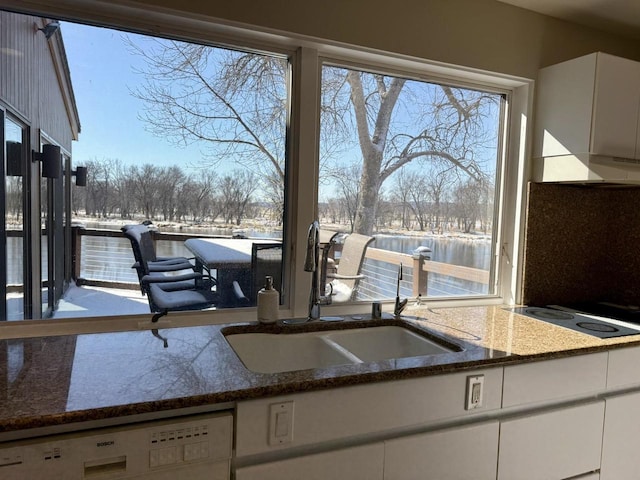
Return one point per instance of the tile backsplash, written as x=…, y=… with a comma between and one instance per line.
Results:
x=582, y=243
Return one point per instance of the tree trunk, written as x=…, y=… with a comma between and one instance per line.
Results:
x=371, y=145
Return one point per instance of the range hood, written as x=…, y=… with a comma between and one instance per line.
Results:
x=587, y=168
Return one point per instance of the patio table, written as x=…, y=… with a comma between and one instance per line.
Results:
x=229, y=257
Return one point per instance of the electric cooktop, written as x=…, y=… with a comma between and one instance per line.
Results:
x=587, y=323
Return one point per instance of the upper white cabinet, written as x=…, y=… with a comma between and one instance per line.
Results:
x=589, y=105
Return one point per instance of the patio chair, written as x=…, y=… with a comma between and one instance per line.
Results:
x=346, y=278
x=146, y=261
x=164, y=298
x=266, y=259
x=165, y=288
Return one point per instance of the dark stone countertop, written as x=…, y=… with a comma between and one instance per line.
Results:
x=48, y=381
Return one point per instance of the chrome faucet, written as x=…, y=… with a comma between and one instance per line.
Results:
x=312, y=264
x=400, y=304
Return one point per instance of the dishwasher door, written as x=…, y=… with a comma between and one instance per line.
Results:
x=197, y=447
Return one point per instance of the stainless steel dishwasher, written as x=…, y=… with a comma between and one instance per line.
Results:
x=196, y=447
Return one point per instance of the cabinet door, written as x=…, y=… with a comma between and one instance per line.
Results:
x=558, y=444
x=468, y=452
x=616, y=103
x=620, y=459
x=357, y=463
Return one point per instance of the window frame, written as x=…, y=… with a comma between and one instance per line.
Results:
x=306, y=58
x=506, y=94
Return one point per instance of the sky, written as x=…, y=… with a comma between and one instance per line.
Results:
x=103, y=76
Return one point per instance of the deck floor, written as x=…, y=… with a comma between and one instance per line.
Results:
x=97, y=301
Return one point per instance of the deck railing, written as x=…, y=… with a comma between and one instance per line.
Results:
x=95, y=264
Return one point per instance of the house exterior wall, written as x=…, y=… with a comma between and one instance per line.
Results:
x=29, y=82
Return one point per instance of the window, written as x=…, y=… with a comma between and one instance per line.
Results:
x=187, y=137
x=414, y=164
x=199, y=138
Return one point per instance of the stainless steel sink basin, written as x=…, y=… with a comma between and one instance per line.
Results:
x=285, y=352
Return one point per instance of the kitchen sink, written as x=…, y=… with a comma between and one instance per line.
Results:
x=285, y=352
x=385, y=342
x=273, y=353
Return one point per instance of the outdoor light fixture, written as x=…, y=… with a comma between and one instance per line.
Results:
x=81, y=176
x=14, y=159
x=49, y=29
x=50, y=159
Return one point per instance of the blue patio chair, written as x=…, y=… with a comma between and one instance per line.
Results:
x=161, y=281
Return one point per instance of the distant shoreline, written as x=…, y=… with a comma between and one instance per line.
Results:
x=263, y=227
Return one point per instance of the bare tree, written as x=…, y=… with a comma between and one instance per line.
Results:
x=236, y=104
x=235, y=191
x=146, y=191
x=195, y=198
x=100, y=197
x=348, y=187
x=401, y=196
x=233, y=103
x=468, y=196
x=451, y=128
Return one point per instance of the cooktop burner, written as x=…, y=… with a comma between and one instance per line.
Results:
x=580, y=322
x=549, y=314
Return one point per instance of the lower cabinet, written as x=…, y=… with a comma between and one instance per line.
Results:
x=555, y=445
x=463, y=453
x=620, y=454
x=357, y=463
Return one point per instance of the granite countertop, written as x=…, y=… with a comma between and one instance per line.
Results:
x=51, y=381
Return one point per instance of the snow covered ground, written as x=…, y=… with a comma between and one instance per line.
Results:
x=88, y=301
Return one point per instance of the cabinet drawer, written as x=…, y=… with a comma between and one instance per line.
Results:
x=463, y=453
x=620, y=460
x=554, y=379
x=624, y=367
x=561, y=443
x=357, y=463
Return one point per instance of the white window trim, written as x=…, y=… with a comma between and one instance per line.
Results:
x=307, y=55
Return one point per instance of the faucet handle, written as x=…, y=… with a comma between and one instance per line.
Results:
x=400, y=306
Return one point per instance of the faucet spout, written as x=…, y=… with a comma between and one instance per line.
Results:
x=400, y=304
x=313, y=238
x=312, y=264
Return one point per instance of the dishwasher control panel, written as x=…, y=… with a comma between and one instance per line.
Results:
x=194, y=447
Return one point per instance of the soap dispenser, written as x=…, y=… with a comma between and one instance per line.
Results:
x=268, y=302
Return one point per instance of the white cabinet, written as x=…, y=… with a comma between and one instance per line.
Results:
x=360, y=410
x=553, y=380
x=558, y=444
x=356, y=463
x=462, y=453
x=623, y=371
x=620, y=456
x=588, y=105
x=354, y=432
